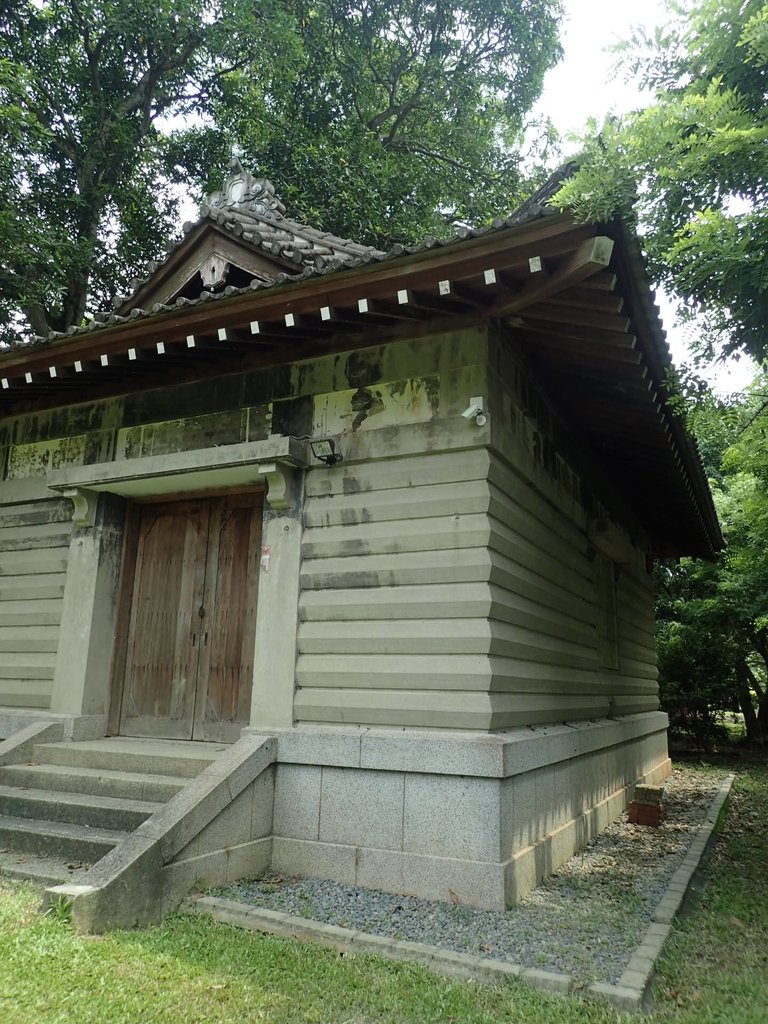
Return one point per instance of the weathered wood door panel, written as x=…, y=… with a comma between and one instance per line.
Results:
x=189, y=664
x=231, y=588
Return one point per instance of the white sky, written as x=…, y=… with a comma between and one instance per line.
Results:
x=584, y=85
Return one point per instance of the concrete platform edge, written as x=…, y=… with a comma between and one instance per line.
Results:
x=440, y=961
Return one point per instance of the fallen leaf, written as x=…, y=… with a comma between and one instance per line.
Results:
x=454, y=898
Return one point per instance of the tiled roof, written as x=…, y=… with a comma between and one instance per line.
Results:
x=248, y=208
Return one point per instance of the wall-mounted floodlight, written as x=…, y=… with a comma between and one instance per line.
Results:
x=475, y=412
x=324, y=450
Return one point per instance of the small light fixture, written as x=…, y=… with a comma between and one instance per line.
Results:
x=475, y=412
x=324, y=450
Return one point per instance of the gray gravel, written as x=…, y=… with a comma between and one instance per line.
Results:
x=585, y=921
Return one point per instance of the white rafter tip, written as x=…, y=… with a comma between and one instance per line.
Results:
x=255, y=327
x=160, y=346
x=402, y=296
x=325, y=313
x=290, y=320
x=78, y=366
x=490, y=276
x=28, y=378
x=132, y=354
x=222, y=332
x=52, y=371
x=444, y=288
x=535, y=265
x=5, y=383
x=190, y=341
x=104, y=359
x=362, y=305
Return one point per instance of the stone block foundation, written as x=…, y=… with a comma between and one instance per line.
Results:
x=476, y=818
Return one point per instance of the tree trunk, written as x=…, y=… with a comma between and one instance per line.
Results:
x=756, y=722
x=747, y=706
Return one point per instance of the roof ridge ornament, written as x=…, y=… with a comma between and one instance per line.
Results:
x=244, y=192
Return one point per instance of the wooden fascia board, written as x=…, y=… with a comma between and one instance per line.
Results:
x=303, y=295
x=648, y=327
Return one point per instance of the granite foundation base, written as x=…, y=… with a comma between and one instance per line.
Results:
x=472, y=818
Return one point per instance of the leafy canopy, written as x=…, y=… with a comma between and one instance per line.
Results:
x=376, y=120
x=398, y=117
x=713, y=616
x=693, y=167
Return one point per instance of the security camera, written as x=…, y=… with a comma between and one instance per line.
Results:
x=474, y=411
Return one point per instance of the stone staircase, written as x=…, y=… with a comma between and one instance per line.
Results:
x=72, y=802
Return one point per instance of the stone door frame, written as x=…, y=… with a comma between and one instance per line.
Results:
x=82, y=684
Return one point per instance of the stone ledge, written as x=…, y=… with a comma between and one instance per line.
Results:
x=448, y=752
x=73, y=727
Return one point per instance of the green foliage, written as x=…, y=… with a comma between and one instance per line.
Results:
x=378, y=120
x=695, y=651
x=693, y=167
x=82, y=86
x=713, y=617
x=390, y=120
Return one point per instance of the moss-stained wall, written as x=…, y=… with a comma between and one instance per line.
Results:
x=447, y=578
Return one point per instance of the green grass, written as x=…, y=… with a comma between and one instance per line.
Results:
x=190, y=970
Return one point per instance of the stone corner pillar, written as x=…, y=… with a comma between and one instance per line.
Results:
x=274, y=671
x=86, y=641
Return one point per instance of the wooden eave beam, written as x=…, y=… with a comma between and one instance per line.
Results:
x=580, y=298
x=554, y=314
x=557, y=347
x=592, y=256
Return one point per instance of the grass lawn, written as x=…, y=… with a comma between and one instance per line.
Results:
x=189, y=970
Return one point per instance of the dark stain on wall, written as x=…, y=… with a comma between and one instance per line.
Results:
x=363, y=368
x=365, y=403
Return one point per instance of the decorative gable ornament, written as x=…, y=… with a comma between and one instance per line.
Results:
x=246, y=194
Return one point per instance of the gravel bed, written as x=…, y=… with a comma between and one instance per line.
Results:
x=586, y=920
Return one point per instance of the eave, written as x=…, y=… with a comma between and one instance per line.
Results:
x=583, y=315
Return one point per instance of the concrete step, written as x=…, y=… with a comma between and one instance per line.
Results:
x=77, y=808
x=56, y=839
x=96, y=781
x=157, y=757
x=43, y=870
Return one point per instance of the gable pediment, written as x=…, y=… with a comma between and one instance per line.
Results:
x=207, y=260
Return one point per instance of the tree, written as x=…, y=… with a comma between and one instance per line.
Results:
x=693, y=167
x=317, y=93
x=713, y=616
x=400, y=117
x=82, y=87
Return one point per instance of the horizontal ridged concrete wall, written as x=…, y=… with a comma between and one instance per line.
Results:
x=549, y=601
x=442, y=590
x=34, y=546
x=395, y=578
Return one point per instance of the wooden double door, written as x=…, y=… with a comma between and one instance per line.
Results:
x=192, y=624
